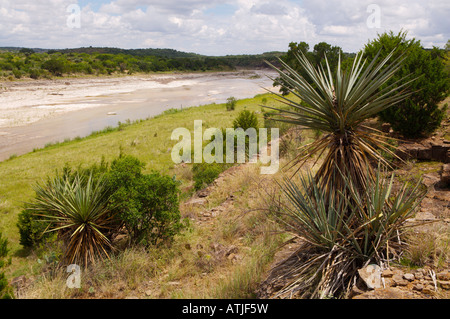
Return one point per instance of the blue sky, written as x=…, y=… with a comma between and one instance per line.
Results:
x=218, y=27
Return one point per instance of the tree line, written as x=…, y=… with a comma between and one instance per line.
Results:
x=16, y=63
x=26, y=63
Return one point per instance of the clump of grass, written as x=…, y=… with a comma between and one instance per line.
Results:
x=430, y=247
x=231, y=103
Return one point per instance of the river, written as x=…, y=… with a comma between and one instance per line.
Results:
x=33, y=114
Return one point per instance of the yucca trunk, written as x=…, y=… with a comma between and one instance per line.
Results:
x=344, y=158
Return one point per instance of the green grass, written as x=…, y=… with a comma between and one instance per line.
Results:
x=149, y=140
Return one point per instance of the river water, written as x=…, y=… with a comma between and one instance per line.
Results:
x=98, y=104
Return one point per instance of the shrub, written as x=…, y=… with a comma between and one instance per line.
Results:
x=31, y=228
x=146, y=204
x=338, y=108
x=245, y=120
x=57, y=66
x=206, y=173
x=90, y=206
x=419, y=114
x=17, y=73
x=231, y=103
x=35, y=73
x=271, y=123
x=5, y=290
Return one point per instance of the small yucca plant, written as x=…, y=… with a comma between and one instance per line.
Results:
x=76, y=207
x=338, y=105
x=342, y=231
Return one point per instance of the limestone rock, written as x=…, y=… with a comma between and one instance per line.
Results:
x=387, y=273
x=409, y=277
x=399, y=281
x=418, y=287
x=196, y=202
x=371, y=275
x=428, y=290
x=444, y=284
x=444, y=275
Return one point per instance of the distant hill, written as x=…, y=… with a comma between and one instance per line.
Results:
x=165, y=53
x=17, y=49
x=254, y=60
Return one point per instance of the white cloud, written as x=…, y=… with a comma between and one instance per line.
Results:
x=218, y=27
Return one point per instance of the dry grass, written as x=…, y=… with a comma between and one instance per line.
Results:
x=429, y=245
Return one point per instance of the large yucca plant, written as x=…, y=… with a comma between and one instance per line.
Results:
x=337, y=105
x=76, y=207
x=342, y=231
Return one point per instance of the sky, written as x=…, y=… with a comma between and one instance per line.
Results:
x=217, y=28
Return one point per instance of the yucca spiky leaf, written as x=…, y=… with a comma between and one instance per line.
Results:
x=342, y=230
x=338, y=105
x=77, y=209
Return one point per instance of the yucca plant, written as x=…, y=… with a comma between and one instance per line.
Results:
x=76, y=207
x=337, y=105
x=336, y=247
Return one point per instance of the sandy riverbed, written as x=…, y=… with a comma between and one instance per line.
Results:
x=26, y=102
x=33, y=113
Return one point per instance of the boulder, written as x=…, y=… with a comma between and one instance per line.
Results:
x=399, y=280
x=408, y=276
x=439, y=152
x=434, y=151
x=196, y=201
x=445, y=175
x=371, y=275
x=444, y=284
x=443, y=275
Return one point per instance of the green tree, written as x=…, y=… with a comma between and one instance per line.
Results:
x=420, y=113
x=147, y=204
x=317, y=57
x=332, y=53
x=55, y=65
x=246, y=120
x=5, y=290
x=26, y=51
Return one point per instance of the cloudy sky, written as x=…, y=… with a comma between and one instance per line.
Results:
x=218, y=27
